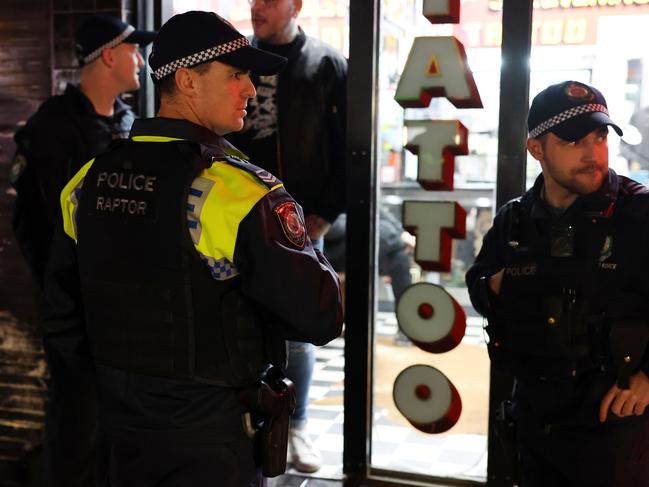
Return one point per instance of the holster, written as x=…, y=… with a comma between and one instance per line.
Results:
x=271, y=402
x=505, y=430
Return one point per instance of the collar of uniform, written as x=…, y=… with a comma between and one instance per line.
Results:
x=73, y=91
x=178, y=129
x=597, y=201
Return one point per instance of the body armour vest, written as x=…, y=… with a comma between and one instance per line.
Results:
x=151, y=304
x=550, y=320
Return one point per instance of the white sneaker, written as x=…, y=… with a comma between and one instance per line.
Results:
x=302, y=453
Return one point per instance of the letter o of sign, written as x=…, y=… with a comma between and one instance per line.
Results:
x=427, y=399
x=431, y=318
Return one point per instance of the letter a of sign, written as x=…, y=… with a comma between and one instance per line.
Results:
x=442, y=11
x=437, y=67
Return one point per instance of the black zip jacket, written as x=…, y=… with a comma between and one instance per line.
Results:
x=65, y=133
x=310, y=138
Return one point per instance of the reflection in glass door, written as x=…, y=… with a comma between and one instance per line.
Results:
x=459, y=450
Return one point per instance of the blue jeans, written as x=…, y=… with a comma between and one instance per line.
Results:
x=301, y=358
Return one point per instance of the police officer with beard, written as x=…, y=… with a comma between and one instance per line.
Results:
x=187, y=268
x=562, y=279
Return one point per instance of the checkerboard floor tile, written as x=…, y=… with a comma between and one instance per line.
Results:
x=394, y=446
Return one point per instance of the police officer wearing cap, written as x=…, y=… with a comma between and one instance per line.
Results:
x=188, y=267
x=562, y=280
x=65, y=132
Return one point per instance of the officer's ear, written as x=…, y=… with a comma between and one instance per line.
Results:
x=186, y=81
x=535, y=148
x=107, y=57
x=297, y=7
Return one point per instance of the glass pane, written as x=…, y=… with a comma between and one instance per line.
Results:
x=327, y=20
x=602, y=44
x=461, y=451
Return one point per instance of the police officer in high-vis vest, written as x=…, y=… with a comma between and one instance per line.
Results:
x=563, y=278
x=187, y=268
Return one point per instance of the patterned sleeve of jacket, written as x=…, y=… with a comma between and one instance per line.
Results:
x=333, y=72
x=290, y=279
x=489, y=261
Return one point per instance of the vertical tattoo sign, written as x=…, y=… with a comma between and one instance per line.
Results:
x=427, y=313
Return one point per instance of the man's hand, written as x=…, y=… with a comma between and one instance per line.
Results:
x=409, y=240
x=495, y=281
x=316, y=226
x=626, y=402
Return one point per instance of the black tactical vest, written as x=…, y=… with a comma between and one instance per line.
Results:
x=151, y=304
x=550, y=321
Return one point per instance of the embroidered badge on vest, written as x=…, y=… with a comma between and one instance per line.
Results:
x=292, y=223
x=607, y=249
x=17, y=167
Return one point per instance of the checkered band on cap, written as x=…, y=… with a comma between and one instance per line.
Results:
x=200, y=57
x=566, y=115
x=112, y=43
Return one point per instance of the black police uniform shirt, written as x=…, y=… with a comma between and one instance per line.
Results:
x=276, y=265
x=56, y=141
x=610, y=227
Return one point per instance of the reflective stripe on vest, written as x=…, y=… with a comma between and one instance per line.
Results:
x=70, y=200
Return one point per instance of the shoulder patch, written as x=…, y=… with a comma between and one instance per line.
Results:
x=17, y=167
x=292, y=224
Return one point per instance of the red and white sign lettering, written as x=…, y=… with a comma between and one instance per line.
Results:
x=436, y=143
x=435, y=223
x=437, y=67
x=431, y=317
x=428, y=400
x=442, y=11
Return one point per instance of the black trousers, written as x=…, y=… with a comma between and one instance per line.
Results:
x=70, y=420
x=180, y=459
x=609, y=455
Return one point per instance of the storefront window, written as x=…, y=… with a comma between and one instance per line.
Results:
x=603, y=44
x=461, y=451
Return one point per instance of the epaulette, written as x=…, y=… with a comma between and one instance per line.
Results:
x=221, y=154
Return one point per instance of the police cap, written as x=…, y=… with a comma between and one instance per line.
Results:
x=570, y=110
x=196, y=37
x=101, y=32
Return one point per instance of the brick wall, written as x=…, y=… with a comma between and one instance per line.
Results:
x=36, y=58
x=25, y=80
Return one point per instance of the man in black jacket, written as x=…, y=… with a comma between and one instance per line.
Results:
x=296, y=129
x=65, y=132
x=562, y=279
